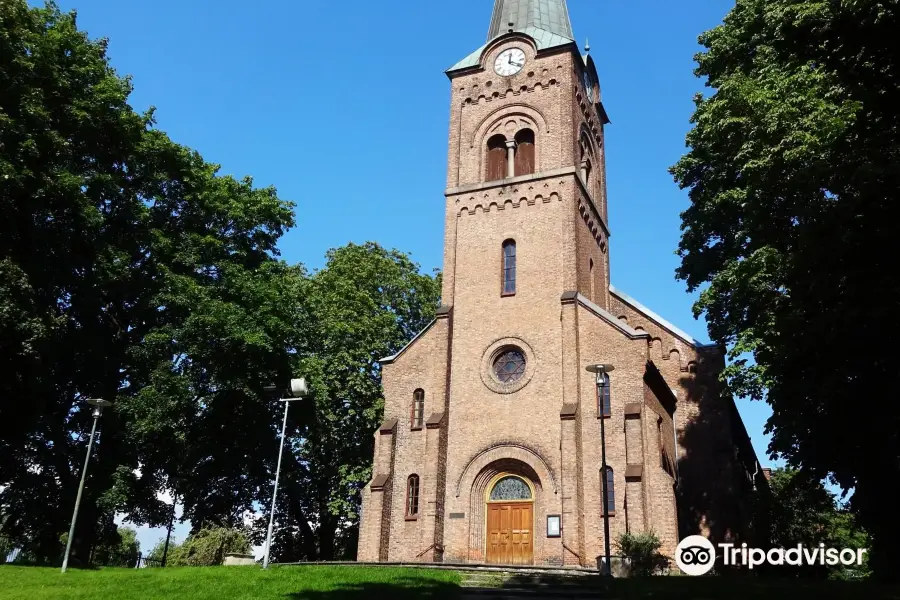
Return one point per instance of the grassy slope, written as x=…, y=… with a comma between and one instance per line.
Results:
x=227, y=583
x=374, y=583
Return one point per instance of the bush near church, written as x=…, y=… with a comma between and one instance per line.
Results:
x=642, y=550
x=206, y=548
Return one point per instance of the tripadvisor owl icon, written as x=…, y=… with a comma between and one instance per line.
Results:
x=695, y=555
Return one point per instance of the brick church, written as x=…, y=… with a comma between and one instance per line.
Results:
x=490, y=451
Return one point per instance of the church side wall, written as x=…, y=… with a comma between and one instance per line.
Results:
x=601, y=342
x=711, y=473
x=422, y=366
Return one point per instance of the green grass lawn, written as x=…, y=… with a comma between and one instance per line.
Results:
x=227, y=583
x=374, y=583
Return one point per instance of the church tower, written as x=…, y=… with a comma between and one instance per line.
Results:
x=490, y=451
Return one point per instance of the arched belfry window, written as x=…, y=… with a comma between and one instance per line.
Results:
x=417, y=413
x=525, y=152
x=610, y=490
x=509, y=267
x=587, y=155
x=412, y=496
x=496, y=158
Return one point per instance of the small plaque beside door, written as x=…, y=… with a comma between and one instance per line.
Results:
x=457, y=515
x=553, y=526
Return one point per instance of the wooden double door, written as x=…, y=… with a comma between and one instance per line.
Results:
x=510, y=529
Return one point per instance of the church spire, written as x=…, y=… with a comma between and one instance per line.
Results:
x=549, y=15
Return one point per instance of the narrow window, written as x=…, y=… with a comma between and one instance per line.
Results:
x=659, y=442
x=417, y=414
x=509, y=267
x=496, y=158
x=525, y=152
x=412, y=496
x=610, y=491
x=604, y=407
x=591, y=275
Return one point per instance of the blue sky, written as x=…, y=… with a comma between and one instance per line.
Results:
x=344, y=106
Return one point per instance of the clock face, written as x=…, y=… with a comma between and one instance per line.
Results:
x=509, y=62
x=589, y=86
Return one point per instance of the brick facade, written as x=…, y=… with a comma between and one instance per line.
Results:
x=670, y=437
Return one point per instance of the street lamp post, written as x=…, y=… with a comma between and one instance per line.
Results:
x=99, y=404
x=298, y=390
x=600, y=370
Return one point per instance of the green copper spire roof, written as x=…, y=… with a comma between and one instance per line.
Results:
x=550, y=15
x=546, y=21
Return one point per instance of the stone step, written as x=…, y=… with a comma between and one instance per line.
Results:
x=532, y=593
x=533, y=585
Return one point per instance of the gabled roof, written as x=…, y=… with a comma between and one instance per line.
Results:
x=389, y=359
x=603, y=314
x=685, y=337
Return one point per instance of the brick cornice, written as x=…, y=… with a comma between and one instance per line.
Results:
x=490, y=185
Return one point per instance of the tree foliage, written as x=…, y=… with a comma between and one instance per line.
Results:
x=803, y=512
x=364, y=305
x=131, y=270
x=123, y=549
x=793, y=174
x=207, y=547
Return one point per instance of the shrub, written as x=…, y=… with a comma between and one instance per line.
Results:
x=208, y=547
x=643, y=551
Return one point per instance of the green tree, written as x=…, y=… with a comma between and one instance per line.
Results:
x=803, y=511
x=155, y=555
x=123, y=549
x=793, y=174
x=129, y=270
x=364, y=305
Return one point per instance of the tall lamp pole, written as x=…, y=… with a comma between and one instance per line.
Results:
x=600, y=370
x=298, y=390
x=99, y=404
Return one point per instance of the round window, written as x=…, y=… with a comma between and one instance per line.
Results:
x=509, y=366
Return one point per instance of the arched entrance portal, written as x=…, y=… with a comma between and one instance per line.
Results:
x=510, y=520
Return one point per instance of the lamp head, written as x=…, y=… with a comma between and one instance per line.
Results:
x=600, y=368
x=299, y=389
x=99, y=402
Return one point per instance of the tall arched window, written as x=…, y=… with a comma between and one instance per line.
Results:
x=412, y=496
x=417, y=413
x=610, y=491
x=604, y=404
x=509, y=267
x=496, y=158
x=525, y=152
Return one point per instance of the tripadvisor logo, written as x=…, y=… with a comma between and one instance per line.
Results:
x=696, y=555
